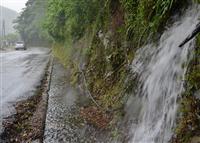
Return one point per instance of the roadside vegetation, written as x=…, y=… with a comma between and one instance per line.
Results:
x=97, y=40
x=30, y=23
x=9, y=40
x=188, y=125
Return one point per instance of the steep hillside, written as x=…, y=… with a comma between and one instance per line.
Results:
x=8, y=15
x=99, y=42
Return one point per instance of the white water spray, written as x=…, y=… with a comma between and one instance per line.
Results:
x=161, y=69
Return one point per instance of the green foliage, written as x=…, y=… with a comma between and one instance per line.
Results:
x=196, y=1
x=62, y=52
x=30, y=22
x=189, y=122
x=10, y=37
x=144, y=17
x=193, y=77
x=70, y=18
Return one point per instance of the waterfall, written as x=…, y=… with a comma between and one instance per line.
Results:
x=161, y=68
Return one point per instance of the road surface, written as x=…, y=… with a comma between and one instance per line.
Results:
x=20, y=74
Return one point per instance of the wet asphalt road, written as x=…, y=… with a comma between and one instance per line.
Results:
x=20, y=74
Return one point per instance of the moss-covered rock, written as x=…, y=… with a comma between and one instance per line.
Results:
x=188, y=125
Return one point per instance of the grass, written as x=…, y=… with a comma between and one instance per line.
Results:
x=188, y=125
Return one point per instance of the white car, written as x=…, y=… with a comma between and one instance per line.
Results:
x=20, y=45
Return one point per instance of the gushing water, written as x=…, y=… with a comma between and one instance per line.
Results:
x=161, y=69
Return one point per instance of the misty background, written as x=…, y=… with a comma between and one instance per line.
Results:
x=8, y=16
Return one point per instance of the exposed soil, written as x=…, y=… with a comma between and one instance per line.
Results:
x=95, y=117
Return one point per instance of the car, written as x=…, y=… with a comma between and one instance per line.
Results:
x=20, y=45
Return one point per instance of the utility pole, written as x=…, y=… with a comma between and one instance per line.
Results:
x=3, y=29
x=3, y=34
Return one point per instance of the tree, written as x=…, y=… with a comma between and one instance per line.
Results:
x=70, y=18
x=30, y=22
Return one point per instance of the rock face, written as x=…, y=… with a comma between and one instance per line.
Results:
x=8, y=16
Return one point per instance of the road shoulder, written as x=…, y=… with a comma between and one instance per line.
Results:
x=64, y=122
x=27, y=124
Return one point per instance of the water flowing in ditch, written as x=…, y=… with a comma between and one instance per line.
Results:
x=161, y=69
